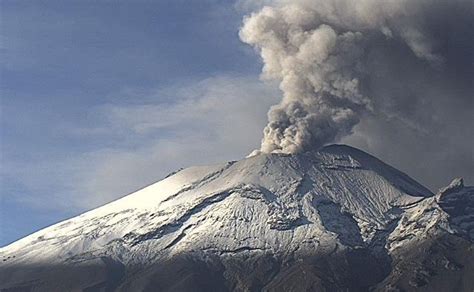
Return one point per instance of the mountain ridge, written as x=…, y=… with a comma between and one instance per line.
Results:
x=337, y=202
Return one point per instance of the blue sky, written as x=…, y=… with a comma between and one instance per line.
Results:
x=100, y=98
x=76, y=75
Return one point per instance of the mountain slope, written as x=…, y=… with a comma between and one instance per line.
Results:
x=248, y=225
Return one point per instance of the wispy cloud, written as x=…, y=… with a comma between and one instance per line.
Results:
x=212, y=120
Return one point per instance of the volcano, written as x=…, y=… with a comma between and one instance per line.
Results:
x=337, y=219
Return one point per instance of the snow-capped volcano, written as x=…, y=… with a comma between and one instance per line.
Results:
x=246, y=225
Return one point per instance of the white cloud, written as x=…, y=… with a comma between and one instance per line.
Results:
x=214, y=120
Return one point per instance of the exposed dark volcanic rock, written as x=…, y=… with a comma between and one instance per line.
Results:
x=334, y=220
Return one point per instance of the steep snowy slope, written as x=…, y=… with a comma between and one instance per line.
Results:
x=432, y=245
x=212, y=225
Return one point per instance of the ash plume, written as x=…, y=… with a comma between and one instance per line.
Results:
x=322, y=53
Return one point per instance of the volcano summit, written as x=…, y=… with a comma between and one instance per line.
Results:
x=333, y=220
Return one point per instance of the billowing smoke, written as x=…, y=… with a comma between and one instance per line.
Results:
x=322, y=53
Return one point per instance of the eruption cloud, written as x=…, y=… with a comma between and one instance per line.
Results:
x=319, y=51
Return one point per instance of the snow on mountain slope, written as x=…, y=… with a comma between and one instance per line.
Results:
x=431, y=247
x=451, y=209
x=266, y=202
x=342, y=217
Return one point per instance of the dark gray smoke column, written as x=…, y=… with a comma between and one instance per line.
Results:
x=329, y=54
